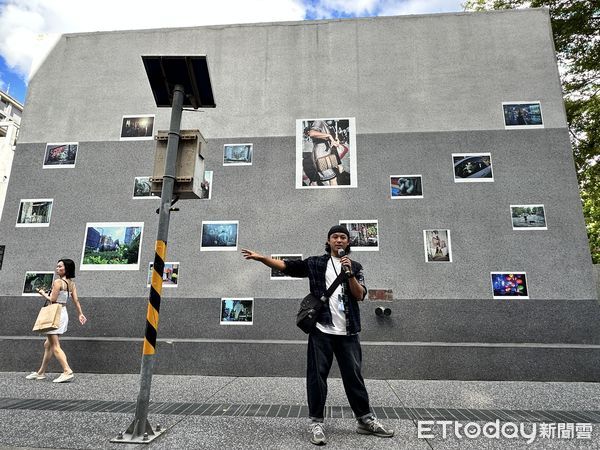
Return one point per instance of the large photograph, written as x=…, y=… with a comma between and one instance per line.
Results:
x=406, y=186
x=37, y=280
x=237, y=311
x=237, y=155
x=509, y=285
x=219, y=235
x=528, y=217
x=34, y=212
x=112, y=246
x=472, y=167
x=437, y=245
x=60, y=155
x=170, y=274
x=325, y=153
x=522, y=115
x=364, y=234
x=279, y=275
x=140, y=127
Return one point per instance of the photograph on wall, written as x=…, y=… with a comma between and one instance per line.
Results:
x=140, y=127
x=520, y=115
x=279, y=275
x=364, y=234
x=509, y=285
x=406, y=186
x=437, y=246
x=206, y=185
x=2, y=250
x=237, y=155
x=37, y=280
x=34, y=212
x=60, y=155
x=219, y=235
x=325, y=153
x=142, y=188
x=112, y=246
x=472, y=167
x=170, y=274
x=237, y=311
x=528, y=217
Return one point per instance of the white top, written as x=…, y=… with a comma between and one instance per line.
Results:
x=63, y=296
x=336, y=306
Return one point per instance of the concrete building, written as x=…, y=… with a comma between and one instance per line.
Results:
x=431, y=95
x=10, y=121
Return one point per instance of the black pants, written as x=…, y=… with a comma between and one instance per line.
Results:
x=347, y=351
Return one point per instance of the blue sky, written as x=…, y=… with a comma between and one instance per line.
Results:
x=29, y=28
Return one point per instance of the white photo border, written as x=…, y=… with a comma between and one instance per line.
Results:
x=523, y=127
x=239, y=163
x=59, y=166
x=449, y=243
x=529, y=228
x=35, y=225
x=137, y=138
x=149, y=274
x=220, y=249
x=406, y=197
x=34, y=294
x=111, y=267
x=227, y=322
x=473, y=180
x=503, y=297
x=346, y=222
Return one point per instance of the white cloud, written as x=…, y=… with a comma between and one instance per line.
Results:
x=29, y=28
x=399, y=8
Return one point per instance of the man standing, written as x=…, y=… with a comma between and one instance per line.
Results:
x=336, y=332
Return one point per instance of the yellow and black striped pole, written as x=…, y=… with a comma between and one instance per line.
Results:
x=140, y=430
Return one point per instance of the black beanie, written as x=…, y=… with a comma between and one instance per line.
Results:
x=338, y=229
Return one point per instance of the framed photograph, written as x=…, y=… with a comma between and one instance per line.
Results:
x=437, y=245
x=237, y=311
x=364, y=234
x=219, y=235
x=58, y=156
x=112, y=246
x=520, y=115
x=509, y=285
x=35, y=212
x=138, y=127
x=37, y=280
x=406, y=186
x=277, y=274
x=325, y=153
x=2, y=250
x=472, y=167
x=206, y=185
x=170, y=274
x=141, y=188
x=237, y=155
x=528, y=217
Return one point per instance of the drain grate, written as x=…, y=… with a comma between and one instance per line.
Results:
x=294, y=411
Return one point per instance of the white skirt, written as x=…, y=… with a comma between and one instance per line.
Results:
x=64, y=322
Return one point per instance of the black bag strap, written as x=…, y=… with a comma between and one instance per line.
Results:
x=333, y=287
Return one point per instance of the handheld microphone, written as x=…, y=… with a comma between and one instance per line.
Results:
x=347, y=270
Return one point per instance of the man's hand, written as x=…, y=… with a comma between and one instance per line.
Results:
x=249, y=254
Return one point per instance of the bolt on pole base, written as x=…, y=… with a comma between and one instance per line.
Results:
x=137, y=434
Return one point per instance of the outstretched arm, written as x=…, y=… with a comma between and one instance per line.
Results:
x=266, y=260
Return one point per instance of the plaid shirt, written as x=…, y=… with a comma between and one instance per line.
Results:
x=314, y=268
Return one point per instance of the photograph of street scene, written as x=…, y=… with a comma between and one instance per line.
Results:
x=522, y=115
x=170, y=274
x=236, y=311
x=141, y=188
x=60, y=155
x=509, y=284
x=472, y=167
x=137, y=127
x=219, y=235
x=364, y=234
x=112, y=246
x=237, y=154
x=528, y=217
x=35, y=212
x=37, y=280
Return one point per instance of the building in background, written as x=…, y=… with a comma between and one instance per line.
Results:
x=10, y=121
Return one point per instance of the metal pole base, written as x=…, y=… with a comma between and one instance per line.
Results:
x=138, y=433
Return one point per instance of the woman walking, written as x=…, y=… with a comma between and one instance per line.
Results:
x=63, y=288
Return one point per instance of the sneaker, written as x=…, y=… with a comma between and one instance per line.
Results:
x=35, y=376
x=374, y=427
x=63, y=378
x=317, y=434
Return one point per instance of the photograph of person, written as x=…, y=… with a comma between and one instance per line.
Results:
x=437, y=245
x=112, y=246
x=170, y=274
x=325, y=153
x=528, y=217
x=60, y=155
x=34, y=281
x=142, y=188
x=364, y=234
x=34, y=212
x=509, y=285
x=522, y=115
x=219, y=235
x=406, y=186
x=237, y=155
x=278, y=274
x=472, y=167
x=236, y=311
x=139, y=127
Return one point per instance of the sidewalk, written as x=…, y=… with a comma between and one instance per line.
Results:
x=250, y=413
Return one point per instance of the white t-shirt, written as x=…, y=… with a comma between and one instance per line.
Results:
x=336, y=307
